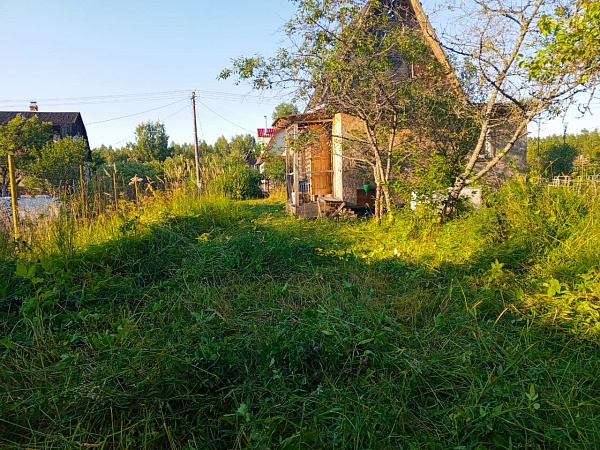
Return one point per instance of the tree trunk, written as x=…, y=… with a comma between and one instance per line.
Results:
x=378, y=204
x=452, y=200
x=386, y=194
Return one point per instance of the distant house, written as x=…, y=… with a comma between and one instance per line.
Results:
x=273, y=141
x=63, y=123
x=265, y=135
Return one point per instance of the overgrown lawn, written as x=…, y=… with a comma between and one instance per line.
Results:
x=206, y=323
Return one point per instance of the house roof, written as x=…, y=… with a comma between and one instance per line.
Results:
x=55, y=118
x=302, y=119
x=432, y=40
x=266, y=132
x=410, y=13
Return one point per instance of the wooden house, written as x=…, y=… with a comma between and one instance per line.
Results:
x=321, y=179
x=63, y=123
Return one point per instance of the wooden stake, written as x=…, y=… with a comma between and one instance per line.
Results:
x=13, y=195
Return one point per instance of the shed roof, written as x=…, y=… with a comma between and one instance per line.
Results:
x=302, y=119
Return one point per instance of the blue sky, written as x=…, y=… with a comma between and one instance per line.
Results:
x=109, y=59
x=121, y=63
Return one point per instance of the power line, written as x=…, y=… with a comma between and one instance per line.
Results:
x=226, y=120
x=176, y=112
x=160, y=120
x=122, y=140
x=142, y=97
x=137, y=114
x=163, y=95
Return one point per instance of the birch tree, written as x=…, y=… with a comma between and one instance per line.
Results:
x=529, y=57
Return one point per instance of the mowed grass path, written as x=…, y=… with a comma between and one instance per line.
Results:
x=210, y=324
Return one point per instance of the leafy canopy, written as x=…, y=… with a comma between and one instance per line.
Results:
x=152, y=142
x=284, y=109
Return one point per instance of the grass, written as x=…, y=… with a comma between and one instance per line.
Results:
x=205, y=323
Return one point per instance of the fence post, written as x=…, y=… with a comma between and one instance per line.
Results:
x=13, y=195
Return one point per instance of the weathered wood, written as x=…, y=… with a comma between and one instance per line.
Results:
x=13, y=195
x=320, y=161
x=338, y=210
x=365, y=198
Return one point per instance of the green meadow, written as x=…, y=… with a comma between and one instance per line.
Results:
x=197, y=322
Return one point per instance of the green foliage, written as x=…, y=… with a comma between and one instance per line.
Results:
x=25, y=138
x=274, y=169
x=152, y=142
x=243, y=146
x=572, y=39
x=225, y=168
x=186, y=150
x=259, y=330
x=221, y=147
x=59, y=161
x=230, y=176
x=586, y=142
x=108, y=155
x=131, y=168
x=575, y=308
x=556, y=155
x=559, y=160
x=284, y=109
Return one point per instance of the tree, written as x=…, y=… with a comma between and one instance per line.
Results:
x=558, y=160
x=243, y=145
x=274, y=169
x=221, y=146
x=25, y=138
x=359, y=61
x=225, y=170
x=108, y=155
x=59, y=161
x=556, y=155
x=186, y=150
x=152, y=142
x=284, y=109
x=528, y=57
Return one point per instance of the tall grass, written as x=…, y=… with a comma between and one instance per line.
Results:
x=197, y=322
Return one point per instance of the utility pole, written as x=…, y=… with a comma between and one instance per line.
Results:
x=196, y=153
